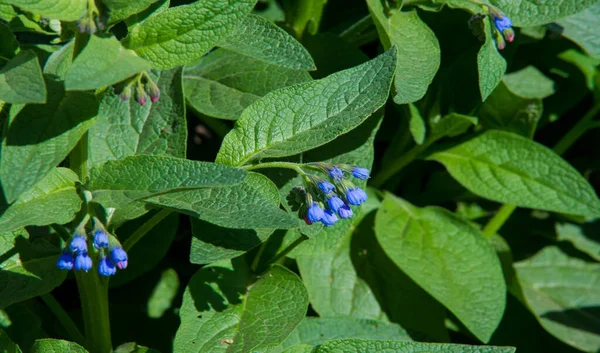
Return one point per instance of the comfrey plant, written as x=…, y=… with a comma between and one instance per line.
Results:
x=293, y=176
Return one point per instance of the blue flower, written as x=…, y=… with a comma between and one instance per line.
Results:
x=65, y=261
x=356, y=196
x=329, y=218
x=360, y=173
x=315, y=213
x=83, y=262
x=335, y=203
x=345, y=212
x=335, y=173
x=78, y=245
x=106, y=267
x=100, y=239
x=502, y=23
x=119, y=257
x=326, y=186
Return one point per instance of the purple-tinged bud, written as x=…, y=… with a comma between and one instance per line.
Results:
x=100, y=239
x=329, y=218
x=125, y=94
x=307, y=221
x=335, y=203
x=509, y=34
x=106, y=267
x=78, y=245
x=360, y=173
x=65, y=261
x=140, y=95
x=500, y=43
x=83, y=262
x=345, y=212
x=326, y=186
x=119, y=257
x=356, y=196
x=315, y=213
x=336, y=173
x=153, y=91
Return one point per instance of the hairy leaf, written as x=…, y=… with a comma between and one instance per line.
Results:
x=51, y=346
x=65, y=10
x=359, y=346
x=534, y=12
x=490, y=64
x=21, y=80
x=529, y=83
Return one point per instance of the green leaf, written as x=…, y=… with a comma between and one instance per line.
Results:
x=59, y=62
x=451, y=125
x=21, y=80
x=52, y=200
x=303, y=348
x=7, y=345
x=121, y=9
x=529, y=83
x=9, y=46
x=248, y=205
x=582, y=28
x=418, y=55
x=184, y=33
x=148, y=251
x=301, y=117
x=490, y=64
x=211, y=243
x=51, y=346
x=359, y=346
x=224, y=83
x=562, y=292
x=315, y=331
x=159, y=6
x=65, y=10
x=585, y=237
x=417, y=125
x=28, y=269
x=216, y=309
x=504, y=110
x=102, y=62
x=126, y=129
x=39, y=137
x=140, y=177
x=163, y=294
x=448, y=257
x=534, y=12
x=508, y=168
x=261, y=39
x=132, y=347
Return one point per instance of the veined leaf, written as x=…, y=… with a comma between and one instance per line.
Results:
x=261, y=39
x=51, y=345
x=490, y=64
x=360, y=346
x=533, y=12
x=508, y=168
x=448, y=257
x=184, y=33
x=301, y=117
x=21, y=80
x=65, y=10
x=121, y=9
x=584, y=237
x=529, y=83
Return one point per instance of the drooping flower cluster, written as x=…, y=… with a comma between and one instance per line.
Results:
x=142, y=87
x=502, y=26
x=106, y=248
x=326, y=200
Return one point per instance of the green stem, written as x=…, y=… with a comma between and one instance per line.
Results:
x=498, y=220
x=64, y=318
x=140, y=232
x=258, y=256
x=284, y=165
x=93, y=292
x=288, y=249
x=391, y=169
x=306, y=16
x=578, y=130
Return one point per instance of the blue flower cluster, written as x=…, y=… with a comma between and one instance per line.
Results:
x=503, y=26
x=76, y=256
x=326, y=200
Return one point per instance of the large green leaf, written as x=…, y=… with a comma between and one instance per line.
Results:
x=163, y=294
x=139, y=177
x=448, y=257
x=248, y=205
x=564, y=294
x=102, y=62
x=125, y=129
x=529, y=83
x=301, y=117
x=9, y=46
x=21, y=80
x=7, y=345
x=261, y=39
x=39, y=137
x=360, y=346
x=66, y=10
x=59, y=62
x=184, y=33
x=508, y=168
x=584, y=237
x=315, y=331
x=418, y=50
x=534, y=12
x=224, y=83
x=490, y=64
x=583, y=28
x=218, y=315
x=26, y=269
x=121, y=9
x=51, y=346
x=52, y=200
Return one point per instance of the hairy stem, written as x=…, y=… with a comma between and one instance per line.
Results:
x=93, y=292
x=498, y=220
x=145, y=228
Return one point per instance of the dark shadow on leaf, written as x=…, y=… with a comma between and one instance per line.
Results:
x=584, y=319
x=217, y=287
x=227, y=238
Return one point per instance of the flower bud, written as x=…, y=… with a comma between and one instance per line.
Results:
x=153, y=91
